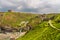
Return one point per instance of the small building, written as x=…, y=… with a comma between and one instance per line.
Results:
x=10, y=11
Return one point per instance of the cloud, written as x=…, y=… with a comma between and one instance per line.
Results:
x=0, y=7
x=6, y=3
x=37, y=6
x=19, y=7
x=33, y=3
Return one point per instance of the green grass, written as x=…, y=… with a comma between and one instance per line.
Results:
x=15, y=18
x=42, y=33
x=41, y=29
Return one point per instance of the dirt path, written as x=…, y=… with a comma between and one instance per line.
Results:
x=15, y=35
x=52, y=25
x=20, y=35
x=7, y=36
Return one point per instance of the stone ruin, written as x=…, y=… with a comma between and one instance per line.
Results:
x=10, y=11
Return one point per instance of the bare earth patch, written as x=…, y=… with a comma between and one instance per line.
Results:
x=8, y=36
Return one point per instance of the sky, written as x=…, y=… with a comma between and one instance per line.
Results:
x=35, y=6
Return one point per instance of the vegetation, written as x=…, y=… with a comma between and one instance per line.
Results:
x=41, y=29
x=14, y=18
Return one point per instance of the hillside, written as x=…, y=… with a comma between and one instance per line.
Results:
x=14, y=18
x=40, y=24
x=44, y=31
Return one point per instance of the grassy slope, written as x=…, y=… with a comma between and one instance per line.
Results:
x=14, y=18
x=40, y=32
x=43, y=31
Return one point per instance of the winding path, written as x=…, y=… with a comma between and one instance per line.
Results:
x=22, y=33
x=52, y=25
x=23, y=23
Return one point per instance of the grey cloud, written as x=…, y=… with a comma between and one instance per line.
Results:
x=45, y=6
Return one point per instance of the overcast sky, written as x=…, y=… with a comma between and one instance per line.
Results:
x=36, y=6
